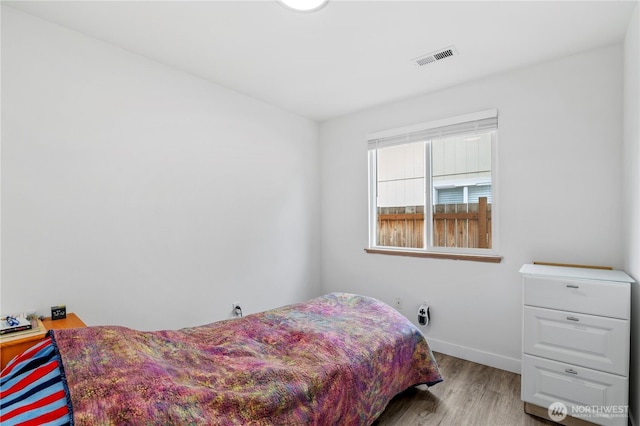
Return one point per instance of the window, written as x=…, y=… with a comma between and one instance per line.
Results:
x=432, y=186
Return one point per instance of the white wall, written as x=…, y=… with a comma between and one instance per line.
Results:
x=631, y=197
x=559, y=187
x=140, y=195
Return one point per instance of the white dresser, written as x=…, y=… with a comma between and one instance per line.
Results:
x=575, y=341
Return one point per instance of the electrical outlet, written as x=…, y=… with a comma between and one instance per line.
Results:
x=424, y=313
x=236, y=309
x=398, y=304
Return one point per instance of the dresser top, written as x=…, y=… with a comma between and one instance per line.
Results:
x=575, y=273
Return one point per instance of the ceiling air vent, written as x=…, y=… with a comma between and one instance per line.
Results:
x=438, y=55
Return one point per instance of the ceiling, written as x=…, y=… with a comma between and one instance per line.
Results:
x=350, y=55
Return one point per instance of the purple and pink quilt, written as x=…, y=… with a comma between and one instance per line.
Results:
x=337, y=359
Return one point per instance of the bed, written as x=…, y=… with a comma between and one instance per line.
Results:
x=336, y=359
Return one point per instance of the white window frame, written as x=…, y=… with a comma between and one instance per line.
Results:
x=412, y=134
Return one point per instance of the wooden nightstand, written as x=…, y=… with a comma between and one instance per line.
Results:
x=9, y=349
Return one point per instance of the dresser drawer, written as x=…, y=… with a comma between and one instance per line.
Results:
x=600, y=343
x=582, y=390
x=610, y=299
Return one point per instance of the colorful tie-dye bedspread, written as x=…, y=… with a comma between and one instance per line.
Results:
x=337, y=359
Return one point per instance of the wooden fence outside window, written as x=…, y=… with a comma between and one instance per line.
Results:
x=454, y=225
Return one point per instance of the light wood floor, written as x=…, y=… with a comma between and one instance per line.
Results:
x=471, y=394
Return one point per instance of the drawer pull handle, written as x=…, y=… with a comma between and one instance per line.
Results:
x=570, y=371
x=572, y=286
x=573, y=319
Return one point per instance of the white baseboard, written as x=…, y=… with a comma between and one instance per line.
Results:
x=481, y=357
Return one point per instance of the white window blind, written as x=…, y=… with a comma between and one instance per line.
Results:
x=464, y=124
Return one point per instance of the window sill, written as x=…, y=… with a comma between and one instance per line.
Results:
x=433, y=255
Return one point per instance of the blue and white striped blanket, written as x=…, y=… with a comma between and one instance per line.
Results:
x=32, y=389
